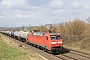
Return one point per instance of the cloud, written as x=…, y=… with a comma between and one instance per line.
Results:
x=88, y=14
x=12, y=4
x=37, y=2
x=76, y=5
x=56, y=3
x=87, y=6
x=37, y=12
x=2, y=17
x=27, y=16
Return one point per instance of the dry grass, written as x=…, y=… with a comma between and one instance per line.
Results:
x=77, y=42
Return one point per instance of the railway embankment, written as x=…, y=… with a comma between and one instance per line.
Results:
x=10, y=50
x=77, y=42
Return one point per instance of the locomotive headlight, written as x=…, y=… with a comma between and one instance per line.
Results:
x=60, y=42
x=53, y=42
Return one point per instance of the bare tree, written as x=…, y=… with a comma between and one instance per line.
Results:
x=88, y=20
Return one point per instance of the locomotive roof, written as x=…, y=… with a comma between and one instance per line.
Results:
x=54, y=33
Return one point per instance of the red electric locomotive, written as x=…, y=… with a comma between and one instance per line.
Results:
x=47, y=41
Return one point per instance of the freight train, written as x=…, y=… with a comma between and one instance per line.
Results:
x=51, y=42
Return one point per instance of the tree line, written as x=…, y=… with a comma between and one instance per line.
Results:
x=75, y=27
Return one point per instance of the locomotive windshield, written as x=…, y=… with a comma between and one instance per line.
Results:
x=55, y=37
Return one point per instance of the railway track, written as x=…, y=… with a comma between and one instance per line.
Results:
x=80, y=54
x=67, y=54
x=74, y=55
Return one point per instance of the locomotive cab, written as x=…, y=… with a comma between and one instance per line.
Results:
x=55, y=42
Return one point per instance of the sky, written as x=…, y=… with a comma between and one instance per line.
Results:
x=40, y=12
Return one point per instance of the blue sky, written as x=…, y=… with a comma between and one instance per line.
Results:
x=40, y=12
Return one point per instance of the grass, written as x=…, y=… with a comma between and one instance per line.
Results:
x=9, y=52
